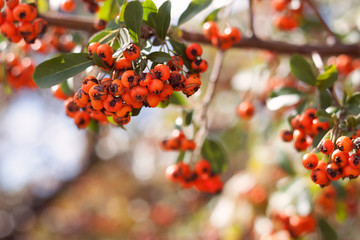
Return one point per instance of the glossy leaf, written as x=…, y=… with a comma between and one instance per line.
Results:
x=194, y=8
x=301, y=69
x=58, y=69
x=103, y=36
x=327, y=79
x=133, y=16
x=213, y=151
x=325, y=99
x=108, y=10
x=162, y=20
x=98, y=61
x=159, y=57
x=149, y=7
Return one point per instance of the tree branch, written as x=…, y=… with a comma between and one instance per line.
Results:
x=247, y=43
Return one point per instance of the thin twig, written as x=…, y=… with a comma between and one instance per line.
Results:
x=322, y=21
x=203, y=121
x=251, y=19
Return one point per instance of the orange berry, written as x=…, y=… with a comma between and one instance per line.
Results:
x=105, y=52
x=344, y=143
x=132, y=52
x=310, y=161
x=129, y=79
x=82, y=119
x=68, y=5
x=245, y=110
x=161, y=72
x=193, y=51
x=210, y=29
x=326, y=146
x=233, y=34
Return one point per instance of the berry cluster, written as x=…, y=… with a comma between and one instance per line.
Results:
x=92, y=5
x=225, y=40
x=18, y=21
x=304, y=128
x=201, y=177
x=287, y=18
x=178, y=143
x=344, y=160
x=126, y=89
x=18, y=72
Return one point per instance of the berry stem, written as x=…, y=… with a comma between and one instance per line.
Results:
x=251, y=20
x=203, y=121
x=330, y=33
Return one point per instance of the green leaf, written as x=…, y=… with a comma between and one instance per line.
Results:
x=178, y=99
x=102, y=36
x=162, y=20
x=187, y=117
x=120, y=2
x=108, y=10
x=323, y=113
x=326, y=230
x=66, y=88
x=122, y=13
x=213, y=16
x=159, y=57
x=98, y=61
x=135, y=112
x=285, y=91
x=194, y=8
x=163, y=104
x=213, y=151
x=301, y=69
x=111, y=120
x=149, y=7
x=325, y=99
x=58, y=69
x=353, y=104
x=133, y=19
x=94, y=126
x=327, y=79
x=123, y=39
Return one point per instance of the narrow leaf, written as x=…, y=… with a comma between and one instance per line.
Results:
x=301, y=69
x=58, y=69
x=98, y=61
x=213, y=16
x=133, y=19
x=194, y=8
x=163, y=18
x=159, y=57
x=135, y=112
x=102, y=36
x=213, y=151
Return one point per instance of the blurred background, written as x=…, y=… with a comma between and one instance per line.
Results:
x=59, y=182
